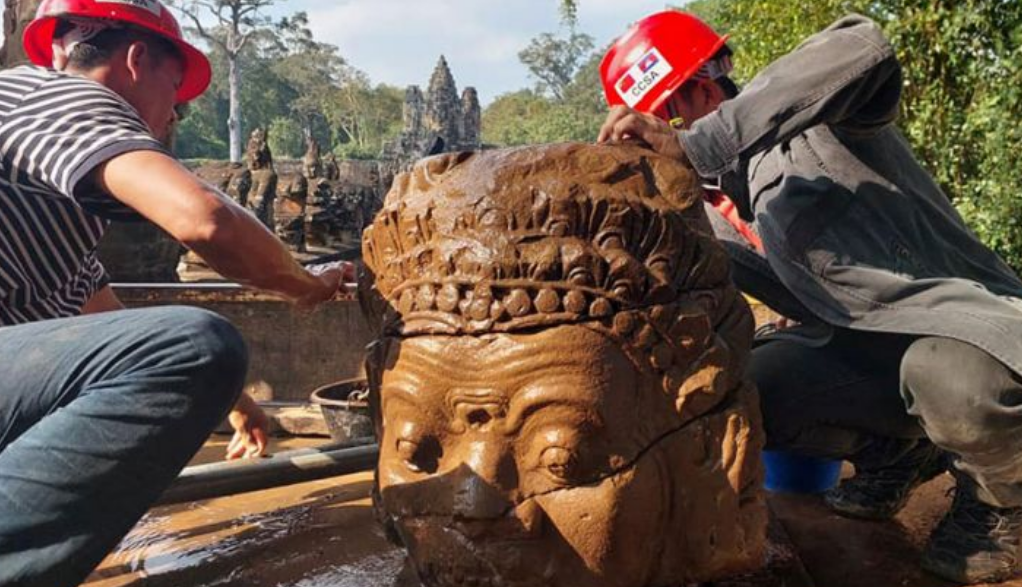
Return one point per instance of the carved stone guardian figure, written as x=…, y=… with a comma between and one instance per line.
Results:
x=264, y=178
x=330, y=170
x=558, y=385
x=234, y=179
x=289, y=211
x=312, y=167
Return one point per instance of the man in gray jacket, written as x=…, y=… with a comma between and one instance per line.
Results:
x=907, y=355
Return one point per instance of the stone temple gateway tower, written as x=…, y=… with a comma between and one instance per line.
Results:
x=438, y=121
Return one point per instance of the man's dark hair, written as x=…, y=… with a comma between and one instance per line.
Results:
x=98, y=50
x=727, y=84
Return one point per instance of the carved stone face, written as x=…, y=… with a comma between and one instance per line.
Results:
x=559, y=380
x=546, y=459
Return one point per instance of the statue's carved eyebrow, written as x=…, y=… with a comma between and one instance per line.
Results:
x=532, y=399
x=403, y=391
x=528, y=382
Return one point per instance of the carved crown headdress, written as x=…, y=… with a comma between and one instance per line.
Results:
x=511, y=239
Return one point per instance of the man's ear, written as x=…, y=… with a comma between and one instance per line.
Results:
x=137, y=60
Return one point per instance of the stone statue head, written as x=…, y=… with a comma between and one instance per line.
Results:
x=558, y=384
x=312, y=167
x=257, y=152
x=330, y=169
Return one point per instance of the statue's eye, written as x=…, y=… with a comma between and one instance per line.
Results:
x=422, y=456
x=560, y=463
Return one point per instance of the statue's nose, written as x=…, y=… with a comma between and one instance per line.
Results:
x=483, y=508
x=484, y=487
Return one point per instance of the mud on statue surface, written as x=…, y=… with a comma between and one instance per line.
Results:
x=558, y=380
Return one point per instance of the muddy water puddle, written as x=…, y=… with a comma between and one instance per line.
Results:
x=316, y=534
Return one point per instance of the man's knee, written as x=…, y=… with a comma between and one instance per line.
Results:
x=199, y=348
x=222, y=353
x=967, y=400
x=217, y=338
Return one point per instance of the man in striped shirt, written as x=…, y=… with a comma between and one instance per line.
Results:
x=101, y=407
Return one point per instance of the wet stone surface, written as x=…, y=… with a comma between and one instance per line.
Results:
x=322, y=534
x=316, y=534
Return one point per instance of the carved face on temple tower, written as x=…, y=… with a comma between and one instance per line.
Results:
x=558, y=383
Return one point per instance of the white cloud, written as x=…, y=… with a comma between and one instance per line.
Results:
x=399, y=41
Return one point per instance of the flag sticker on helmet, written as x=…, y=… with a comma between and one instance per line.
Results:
x=650, y=60
x=642, y=77
x=150, y=5
x=626, y=83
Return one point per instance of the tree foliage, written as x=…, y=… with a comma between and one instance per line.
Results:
x=295, y=87
x=528, y=117
x=364, y=116
x=555, y=60
x=565, y=105
x=235, y=22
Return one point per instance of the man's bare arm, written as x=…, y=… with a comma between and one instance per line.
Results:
x=224, y=234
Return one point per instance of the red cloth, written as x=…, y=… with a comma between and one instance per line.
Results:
x=729, y=211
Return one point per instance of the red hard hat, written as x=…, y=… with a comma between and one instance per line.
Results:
x=655, y=57
x=147, y=14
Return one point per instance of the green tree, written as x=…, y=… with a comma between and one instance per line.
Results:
x=528, y=117
x=510, y=119
x=567, y=102
x=312, y=69
x=236, y=21
x=286, y=138
x=554, y=60
x=263, y=97
x=362, y=116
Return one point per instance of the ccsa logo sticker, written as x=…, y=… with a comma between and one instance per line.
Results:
x=642, y=77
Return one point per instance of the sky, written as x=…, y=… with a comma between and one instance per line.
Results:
x=398, y=42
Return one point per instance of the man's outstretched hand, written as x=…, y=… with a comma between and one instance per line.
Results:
x=250, y=429
x=330, y=277
x=624, y=123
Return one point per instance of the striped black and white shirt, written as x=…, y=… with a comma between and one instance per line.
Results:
x=54, y=130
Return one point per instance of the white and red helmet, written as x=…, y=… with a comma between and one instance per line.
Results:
x=656, y=56
x=150, y=15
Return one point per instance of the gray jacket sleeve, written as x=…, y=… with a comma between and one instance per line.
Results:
x=846, y=76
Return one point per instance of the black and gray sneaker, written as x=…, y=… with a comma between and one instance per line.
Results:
x=877, y=493
x=975, y=542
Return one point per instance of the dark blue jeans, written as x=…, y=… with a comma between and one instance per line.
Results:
x=98, y=414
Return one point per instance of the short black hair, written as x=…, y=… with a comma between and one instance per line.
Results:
x=731, y=89
x=98, y=50
x=725, y=82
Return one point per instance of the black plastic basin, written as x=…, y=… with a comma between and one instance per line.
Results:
x=345, y=410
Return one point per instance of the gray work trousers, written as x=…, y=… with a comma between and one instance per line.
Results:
x=855, y=396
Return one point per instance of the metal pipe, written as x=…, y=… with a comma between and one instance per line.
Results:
x=286, y=468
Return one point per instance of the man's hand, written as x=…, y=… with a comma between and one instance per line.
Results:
x=250, y=429
x=332, y=276
x=625, y=123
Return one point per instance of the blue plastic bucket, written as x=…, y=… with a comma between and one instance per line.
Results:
x=792, y=473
